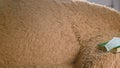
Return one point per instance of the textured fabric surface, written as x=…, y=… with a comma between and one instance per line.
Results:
x=56, y=34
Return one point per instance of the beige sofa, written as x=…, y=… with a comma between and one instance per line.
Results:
x=56, y=34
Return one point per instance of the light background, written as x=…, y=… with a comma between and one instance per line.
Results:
x=111, y=3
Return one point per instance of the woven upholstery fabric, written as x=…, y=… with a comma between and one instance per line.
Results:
x=56, y=34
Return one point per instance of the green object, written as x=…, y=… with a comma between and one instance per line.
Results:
x=114, y=50
x=103, y=45
x=118, y=47
x=112, y=46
